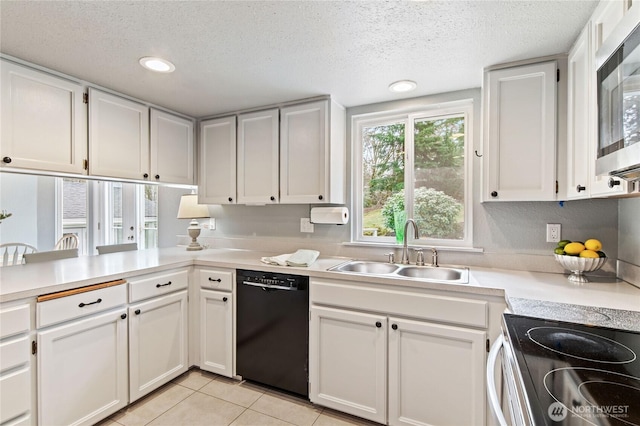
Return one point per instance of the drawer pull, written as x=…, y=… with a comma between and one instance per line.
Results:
x=218, y=280
x=163, y=285
x=82, y=305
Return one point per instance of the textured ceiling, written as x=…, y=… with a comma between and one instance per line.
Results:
x=232, y=55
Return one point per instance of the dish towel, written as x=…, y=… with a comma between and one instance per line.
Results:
x=301, y=257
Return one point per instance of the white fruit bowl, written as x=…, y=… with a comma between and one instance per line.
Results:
x=579, y=265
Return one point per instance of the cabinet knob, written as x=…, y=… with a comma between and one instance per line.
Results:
x=378, y=324
x=123, y=316
x=272, y=198
x=320, y=197
x=6, y=160
x=146, y=175
x=494, y=194
x=230, y=199
x=612, y=182
x=157, y=176
x=394, y=326
x=580, y=188
x=137, y=311
x=224, y=299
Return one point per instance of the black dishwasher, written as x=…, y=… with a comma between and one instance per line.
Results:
x=272, y=331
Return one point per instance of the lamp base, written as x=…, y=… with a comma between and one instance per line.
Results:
x=194, y=232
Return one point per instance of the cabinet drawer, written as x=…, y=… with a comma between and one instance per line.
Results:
x=14, y=353
x=215, y=279
x=14, y=320
x=434, y=307
x=79, y=305
x=15, y=389
x=153, y=285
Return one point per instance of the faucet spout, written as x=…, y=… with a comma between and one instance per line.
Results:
x=416, y=235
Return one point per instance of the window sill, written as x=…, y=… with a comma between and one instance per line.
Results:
x=426, y=246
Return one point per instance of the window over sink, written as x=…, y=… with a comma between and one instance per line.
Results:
x=413, y=164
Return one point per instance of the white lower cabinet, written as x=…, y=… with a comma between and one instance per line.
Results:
x=348, y=362
x=158, y=345
x=16, y=388
x=83, y=370
x=216, y=332
x=435, y=374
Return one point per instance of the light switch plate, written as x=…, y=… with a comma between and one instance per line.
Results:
x=306, y=225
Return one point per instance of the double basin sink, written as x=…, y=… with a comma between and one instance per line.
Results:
x=458, y=275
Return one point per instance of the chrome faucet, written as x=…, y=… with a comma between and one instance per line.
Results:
x=405, y=251
x=434, y=257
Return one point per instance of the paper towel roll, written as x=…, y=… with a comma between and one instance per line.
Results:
x=331, y=215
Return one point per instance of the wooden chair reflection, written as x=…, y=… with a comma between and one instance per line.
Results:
x=114, y=248
x=44, y=256
x=67, y=241
x=12, y=253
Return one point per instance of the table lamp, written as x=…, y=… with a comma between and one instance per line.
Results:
x=190, y=209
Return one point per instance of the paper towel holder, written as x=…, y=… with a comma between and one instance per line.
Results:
x=340, y=217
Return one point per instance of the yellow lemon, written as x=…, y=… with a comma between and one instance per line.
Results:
x=573, y=248
x=589, y=253
x=593, y=244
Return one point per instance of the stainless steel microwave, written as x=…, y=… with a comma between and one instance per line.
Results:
x=618, y=65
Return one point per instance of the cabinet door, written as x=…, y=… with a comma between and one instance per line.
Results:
x=606, y=17
x=171, y=148
x=217, y=171
x=15, y=380
x=348, y=362
x=258, y=157
x=216, y=332
x=520, y=133
x=436, y=374
x=304, y=146
x=158, y=345
x=579, y=123
x=43, y=121
x=83, y=370
x=118, y=137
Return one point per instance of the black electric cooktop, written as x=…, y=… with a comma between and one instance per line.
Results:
x=575, y=374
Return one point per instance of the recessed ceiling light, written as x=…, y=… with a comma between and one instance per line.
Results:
x=157, y=64
x=402, y=86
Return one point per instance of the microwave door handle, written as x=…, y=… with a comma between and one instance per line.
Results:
x=492, y=392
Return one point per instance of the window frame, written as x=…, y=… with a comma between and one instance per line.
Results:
x=463, y=107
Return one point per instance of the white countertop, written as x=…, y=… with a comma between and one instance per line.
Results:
x=24, y=281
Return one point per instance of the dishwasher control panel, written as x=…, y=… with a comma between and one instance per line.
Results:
x=272, y=279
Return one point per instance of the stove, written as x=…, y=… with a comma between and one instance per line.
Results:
x=571, y=374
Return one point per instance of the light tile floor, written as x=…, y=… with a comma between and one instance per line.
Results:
x=201, y=398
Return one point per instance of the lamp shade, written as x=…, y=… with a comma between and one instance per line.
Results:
x=190, y=209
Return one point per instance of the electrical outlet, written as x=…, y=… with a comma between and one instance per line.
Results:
x=306, y=225
x=212, y=224
x=553, y=232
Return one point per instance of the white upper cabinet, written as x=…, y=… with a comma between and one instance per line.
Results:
x=118, y=137
x=217, y=156
x=43, y=121
x=520, y=133
x=172, y=148
x=312, y=153
x=258, y=157
x=605, y=18
x=580, y=129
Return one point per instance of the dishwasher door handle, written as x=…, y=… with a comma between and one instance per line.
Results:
x=269, y=287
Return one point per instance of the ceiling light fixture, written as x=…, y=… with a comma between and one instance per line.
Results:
x=402, y=86
x=157, y=64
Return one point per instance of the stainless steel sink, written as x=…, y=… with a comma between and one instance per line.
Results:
x=364, y=267
x=427, y=272
x=459, y=275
